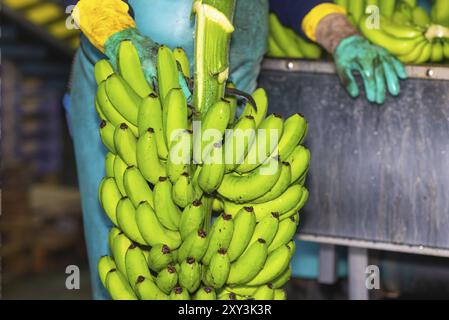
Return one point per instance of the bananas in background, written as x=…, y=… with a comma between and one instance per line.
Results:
x=163, y=244
x=406, y=30
x=284, y=42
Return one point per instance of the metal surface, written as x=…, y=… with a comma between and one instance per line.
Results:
x=434, y=72
x=328, y=264
x=379, y=175
x=357, y=263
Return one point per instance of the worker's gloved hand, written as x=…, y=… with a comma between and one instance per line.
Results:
x=378, y=68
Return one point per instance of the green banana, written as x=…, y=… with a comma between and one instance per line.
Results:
x=166, y=210
x=267, y=137
x=125, y=144
x=213, y=169
x=136, y=187
x=232, y=104
x=109, y=198
x=118, y=287
x=100, y=113
x=249, y=264
x=244, y=225
x=387, y=7
x=131, y=70
x=194, y=246
x=299, y=162
x=107, y=135
x=167, y=278
x=218, y=269
x=192, y=218
x=220, y=236
x=413, y=55
x=266, y=292
x=123, y=97
x=446, y=48
x=399, y=31
x=160, y=257
x=298, y=206
x=182, y=61
x=309, y=49
x=183, y=192
x=108, y=110
x=179, y=293
x=151, y=229
x=282, y=279
x=244, y=188
x=126, y=219
x=276, y=263
x=167, y=71
x=136, y=265
x=282, y=38
x=120, y=245
x=285, y=232
x=261, y=100
x=109, y=164
x=205, y=293
x=342, y=3
x=274, y=50
x=437, y=51
x=242, y=290
x=148, y=290
x=105, y=264
x=295, y=130
x=119, y=169
x=150, y=116
x=102, y=70
x=280, y=294
x=190, y=274
x=113, y=232
x=266, y=229
x=147, y=157
x=174, y=115
x=279, y=187
x=420, y=17
x=217, y=205
x=426, y=53
x=238, y=141
x=213, y=126
x=179, y=158
x=356, y=10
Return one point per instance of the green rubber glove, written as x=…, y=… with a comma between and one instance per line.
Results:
x=147, y=51
x=378, y=68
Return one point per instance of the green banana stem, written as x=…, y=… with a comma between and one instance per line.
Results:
x=437, y=31
x=212, y=39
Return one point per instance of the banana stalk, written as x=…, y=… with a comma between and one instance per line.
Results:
x=212, y=39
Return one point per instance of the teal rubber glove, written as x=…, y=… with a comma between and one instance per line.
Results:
x=379, y=69
x=147, y=51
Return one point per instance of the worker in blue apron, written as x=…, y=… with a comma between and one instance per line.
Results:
x=105, y=23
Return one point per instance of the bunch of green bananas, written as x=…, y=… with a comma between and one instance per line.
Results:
x=406, y=30
x=284, y=42
x=163, y=243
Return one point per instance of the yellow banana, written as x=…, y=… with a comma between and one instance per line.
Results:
x=244, y=225
x=166, y=210
x=126, y=219
x=109, y=198
x=147, y=157
x=167, y=71
x=102, y=70
x=136, y=187
x=125, y=144
x=107, y=135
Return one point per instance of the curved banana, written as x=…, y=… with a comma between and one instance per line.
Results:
x=120, y=245
x=218, y=269
x=285, y=232
x=167, y=279
x=109, y=198
x=107, y=135
x=205, y=293
x=437, y=51
x=446, y=48
x=426, y=53
x=126, y=219
x=249, y=264
x=160, y=256
x=265, y=144
x=295, y=130
x=119, y=169
x=280, y=294
x=279, y=187
x=244, y=188
x=109, y=164
x=266, y=229
x=282, y=39
x=282, y=279
x=174, y=115
x=194, y=246
x=220, y=236
x=147, y=157
x=179, y=158
x=151, y=229
x=167, y=71
x=125, y=144
x=413, y=55
x=123, y=97
x=182, y=61
x=190, y=274
x=148, y=290
x=261, y=100
x=136, y=265
x=136, y=187
x=105, y=264
x=166, y=210
x=299, y=162
x=244, y=225
x=399, y=31
x=113, y=232
x=150, y=116
x=118, y=287
x=276, y=263
x=274, y=50
x=102, y=70
x=266, y=292
x=238, y=140
x=183, y=193
x=213, y=169
x=192, y=218
x=179, y=293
